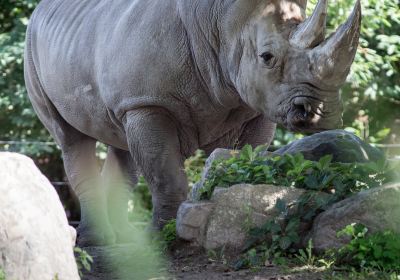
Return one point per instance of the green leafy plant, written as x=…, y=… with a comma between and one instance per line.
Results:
x=306, y=256
x=83, y=260
x=168, y=232
x=336, y=178
x=194, y=166
x=326, y=263
x=217, y=255
x=380, y=250
x=249, y=259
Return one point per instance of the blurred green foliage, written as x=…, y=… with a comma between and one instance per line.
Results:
x=17, y=118
x=194, y=166
x=168, y=232
x=18, y=121
x=2, y=274
x=371, y=95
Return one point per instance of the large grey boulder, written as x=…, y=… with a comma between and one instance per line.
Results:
x=35, y=239
x=225, y=219
x=378, y=209
x=342, y=145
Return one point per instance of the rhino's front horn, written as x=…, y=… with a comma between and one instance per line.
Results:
x=311, y=32
x=332, y=59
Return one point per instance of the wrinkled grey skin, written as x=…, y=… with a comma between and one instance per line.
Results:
x=162, y=78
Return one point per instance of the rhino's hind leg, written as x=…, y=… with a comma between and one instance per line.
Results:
x=83, y=173
x=120, y=174
x=154, y=144
x=82, y=169
x=80, y=162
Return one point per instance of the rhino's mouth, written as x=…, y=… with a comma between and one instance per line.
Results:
x=305, y=113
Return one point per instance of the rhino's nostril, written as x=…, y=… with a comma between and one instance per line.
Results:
x=307, y=107
x=304, y=109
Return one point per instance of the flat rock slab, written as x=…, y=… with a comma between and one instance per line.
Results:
x=378, y=209
x=226, y=218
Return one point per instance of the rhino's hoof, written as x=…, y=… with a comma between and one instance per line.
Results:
x=126, y=234
x=89, y=237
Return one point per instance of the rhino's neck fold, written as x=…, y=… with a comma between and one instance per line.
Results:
x=201, y=21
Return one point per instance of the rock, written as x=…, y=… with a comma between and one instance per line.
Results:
x=215, y=155
x=222, y=220
x=192, y=219
x=342, y=145
x=378, y=209
x=35, y=239
x=231, y=212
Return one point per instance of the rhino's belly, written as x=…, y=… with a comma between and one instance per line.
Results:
x=85, y=111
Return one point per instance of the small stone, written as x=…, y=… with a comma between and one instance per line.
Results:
x=268, y=263
x=192, y=219
x=186, y=269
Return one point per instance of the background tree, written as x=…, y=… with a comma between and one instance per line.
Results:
x=18, y=121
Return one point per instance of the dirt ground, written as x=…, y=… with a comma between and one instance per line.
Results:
x=183, y=261
x=188, y=262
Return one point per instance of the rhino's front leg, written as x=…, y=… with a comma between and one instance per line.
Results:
x=258, y=131
x=154, y=144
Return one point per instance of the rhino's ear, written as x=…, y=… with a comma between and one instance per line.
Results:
x=292, y=10
x=240, y=11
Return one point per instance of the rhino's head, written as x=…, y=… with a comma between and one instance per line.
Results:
x=283, y=66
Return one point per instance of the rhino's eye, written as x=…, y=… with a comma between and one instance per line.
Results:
x=269, y=59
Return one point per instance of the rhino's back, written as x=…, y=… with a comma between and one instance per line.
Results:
x=97, y=59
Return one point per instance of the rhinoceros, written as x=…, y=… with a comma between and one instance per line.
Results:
x=155, y=80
